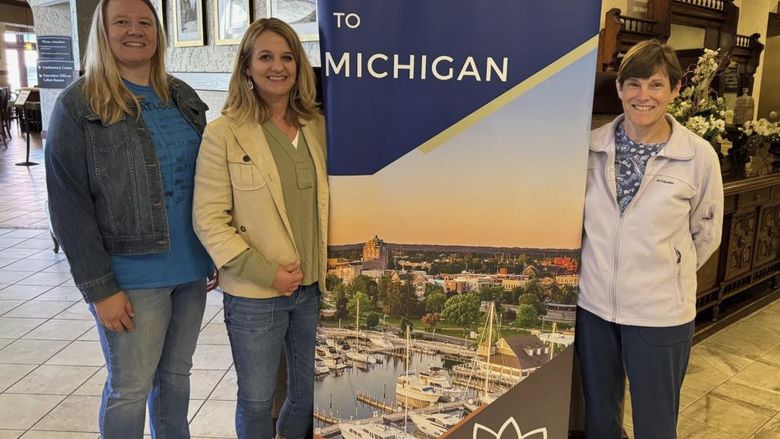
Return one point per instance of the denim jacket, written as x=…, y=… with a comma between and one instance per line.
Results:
x=105, y=187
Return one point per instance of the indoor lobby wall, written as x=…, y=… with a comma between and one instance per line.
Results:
x=753, y=18
x=206, y=68
x=62, y=18
x=686, y=37
x=3, y=59
x=606, y=5
x=770, y=91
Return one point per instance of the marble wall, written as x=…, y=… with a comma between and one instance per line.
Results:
x=215, y=100
x=211, y=58
x=53, y=19
x=206, y=68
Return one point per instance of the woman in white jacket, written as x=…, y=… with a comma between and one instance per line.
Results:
x=653, y=216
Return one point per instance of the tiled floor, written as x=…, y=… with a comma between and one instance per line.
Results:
x=51, y=367
x=732, y=389
x=22, y=188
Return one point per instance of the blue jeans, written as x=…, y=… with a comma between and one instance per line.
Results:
x=654, y=360
x=152, y=364
x=258, y=328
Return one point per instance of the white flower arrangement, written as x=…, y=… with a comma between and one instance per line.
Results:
x=707, y=127
x=761, y=134
x=696, y=107
x=769, y=131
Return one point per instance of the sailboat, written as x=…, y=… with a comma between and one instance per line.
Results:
x=320, y=368
x=434, y=425
x=331, y=359
x=379, y=341
x=372, y=431
x=410, y=390
x=354, y=354
x=360, y=357
x=486, y=398
x=439, y=378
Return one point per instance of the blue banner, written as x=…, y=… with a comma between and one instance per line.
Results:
x=414, y=68
x=457, y=140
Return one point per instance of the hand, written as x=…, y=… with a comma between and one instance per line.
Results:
x=212, y=281
x=115, y=312
x=288, y=278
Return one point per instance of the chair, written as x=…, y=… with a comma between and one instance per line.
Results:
x=31, y=117
x=5, y=122
x=10, y=112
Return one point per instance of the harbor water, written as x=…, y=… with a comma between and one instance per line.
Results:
x=336, y=394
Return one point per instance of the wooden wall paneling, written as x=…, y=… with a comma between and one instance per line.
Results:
x=740, y=243
x=767, y=237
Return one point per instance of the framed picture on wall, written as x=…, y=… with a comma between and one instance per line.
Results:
x=639, y=8
x=159, y=6
x=300, y=14
x=231, y=19
x=189, y=25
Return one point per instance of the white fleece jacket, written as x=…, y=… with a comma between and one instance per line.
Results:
x=639, y=268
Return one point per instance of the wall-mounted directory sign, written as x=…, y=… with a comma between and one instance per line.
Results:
x=55, y=74
x=55, y=62
x=55, y=48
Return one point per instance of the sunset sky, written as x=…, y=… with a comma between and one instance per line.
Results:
x=516, y=178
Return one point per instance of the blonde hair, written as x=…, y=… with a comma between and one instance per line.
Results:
x=243, y=103
x=106, y=92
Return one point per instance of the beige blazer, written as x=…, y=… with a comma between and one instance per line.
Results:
x=238, y=201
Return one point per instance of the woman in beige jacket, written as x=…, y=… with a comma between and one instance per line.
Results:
x=261, y=211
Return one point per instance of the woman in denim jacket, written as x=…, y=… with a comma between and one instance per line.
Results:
x=120, y=161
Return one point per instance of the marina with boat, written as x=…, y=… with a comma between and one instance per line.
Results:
x=374, y=384
x=429, y=349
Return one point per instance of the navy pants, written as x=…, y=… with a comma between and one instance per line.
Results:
x=654, y=360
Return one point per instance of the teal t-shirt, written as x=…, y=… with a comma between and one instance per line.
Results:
x=177, y=146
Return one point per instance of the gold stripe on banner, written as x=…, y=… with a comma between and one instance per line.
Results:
x=513, y=93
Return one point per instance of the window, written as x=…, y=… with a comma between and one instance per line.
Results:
x=31, y=64
x=12, y=58
x=22, y=61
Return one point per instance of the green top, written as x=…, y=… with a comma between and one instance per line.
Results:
x=299, y=188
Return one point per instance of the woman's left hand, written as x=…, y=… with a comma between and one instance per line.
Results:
x=212, y=281
x=288, y=278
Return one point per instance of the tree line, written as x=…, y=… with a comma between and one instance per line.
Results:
x=397, y=297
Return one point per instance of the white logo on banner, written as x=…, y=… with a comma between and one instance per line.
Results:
x=506, y=430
